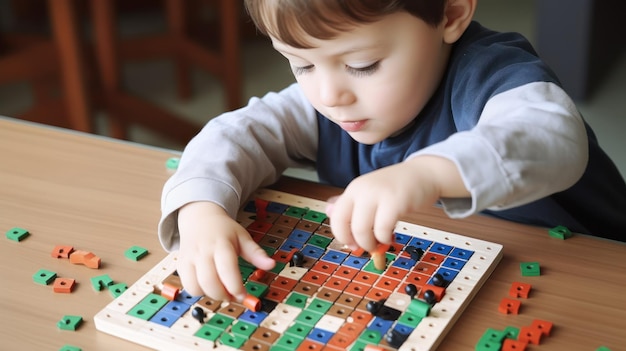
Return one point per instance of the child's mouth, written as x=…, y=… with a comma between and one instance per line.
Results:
x=352, y=126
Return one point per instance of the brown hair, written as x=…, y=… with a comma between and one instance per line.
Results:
x=291, y=20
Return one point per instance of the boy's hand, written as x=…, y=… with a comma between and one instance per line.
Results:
x=367, y=211
x=210, y=243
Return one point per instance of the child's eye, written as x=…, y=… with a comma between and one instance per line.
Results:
x=301, y=70
x=363, y=71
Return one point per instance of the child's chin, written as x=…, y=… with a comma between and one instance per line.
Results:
x=368, y=138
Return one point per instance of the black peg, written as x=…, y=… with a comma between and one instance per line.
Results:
x=429, y=297
x=374, y=306
x=198, y=313
x=411, y=290
x=395, y=339
x=438, y=280
x=415, y=252
x=297, y=259
x=268, y=306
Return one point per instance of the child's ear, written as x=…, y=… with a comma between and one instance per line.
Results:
x=457, y=16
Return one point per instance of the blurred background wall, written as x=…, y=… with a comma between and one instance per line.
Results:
x=155, y=71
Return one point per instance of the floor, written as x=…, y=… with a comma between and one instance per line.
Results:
x=265, y=70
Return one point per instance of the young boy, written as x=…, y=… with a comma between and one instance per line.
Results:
x=404, y=103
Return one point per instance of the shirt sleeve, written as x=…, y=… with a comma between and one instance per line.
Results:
x=238, y=152
x=528, y=143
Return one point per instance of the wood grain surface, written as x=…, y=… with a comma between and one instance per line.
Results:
x=103, y=195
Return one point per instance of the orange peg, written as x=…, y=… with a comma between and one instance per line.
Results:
x=169, y=291
x=252, y=303
x=379, y=256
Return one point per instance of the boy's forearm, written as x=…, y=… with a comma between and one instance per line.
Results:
x=443, y=173
x=200, y=208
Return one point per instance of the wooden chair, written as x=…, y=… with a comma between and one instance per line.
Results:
x=44, y=61
x=177, y=43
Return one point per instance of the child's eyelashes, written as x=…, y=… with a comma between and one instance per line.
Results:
x=301, y=70
x=355, y=71
x=363, y=71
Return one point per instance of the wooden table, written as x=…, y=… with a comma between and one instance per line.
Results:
x=102, y=195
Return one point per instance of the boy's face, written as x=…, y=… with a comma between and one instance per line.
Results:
x=374, y=80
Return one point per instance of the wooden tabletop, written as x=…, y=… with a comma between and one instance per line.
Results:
x=102, y=195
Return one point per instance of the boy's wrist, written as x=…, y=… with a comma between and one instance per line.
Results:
x=202, y=207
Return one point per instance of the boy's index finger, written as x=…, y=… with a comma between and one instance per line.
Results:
x=234, y=285
x=227, y=267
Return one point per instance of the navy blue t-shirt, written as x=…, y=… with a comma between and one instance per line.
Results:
x=595, y=205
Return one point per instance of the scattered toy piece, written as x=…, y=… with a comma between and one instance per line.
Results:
x=86, y=258
x=63, y=285
x=487, y=345
x=70, y=322
x=509, y=306
x=531, y=335
x=172, y=163
x=117, y=289
x=17, y=234
x=136, y=253
x=530, y=269
x=513, y=345
x=491, y=337
x=542, y=325
x=520, y=290
x=560, y=232
x=511, y=332
x=44, y=277
x=70, y=348
x=101, y=281
x=62, y=251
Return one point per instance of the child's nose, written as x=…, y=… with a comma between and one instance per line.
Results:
x=333, y=93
